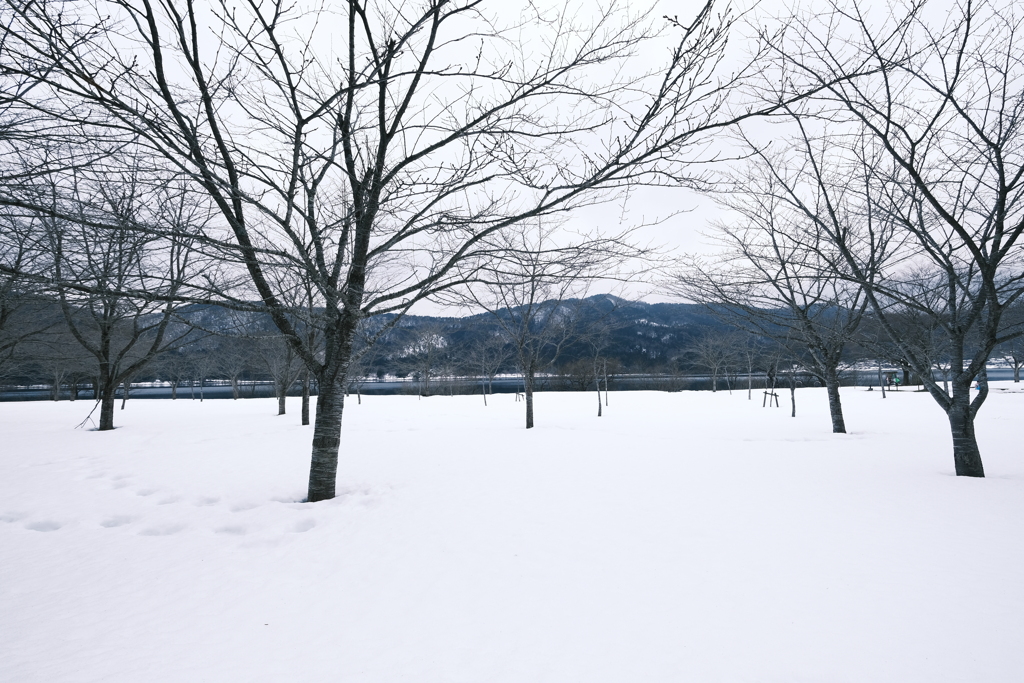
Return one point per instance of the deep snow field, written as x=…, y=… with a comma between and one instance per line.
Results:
x=681, y=537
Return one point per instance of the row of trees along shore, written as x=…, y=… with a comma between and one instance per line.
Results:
x=327, y=168
x=586, y=343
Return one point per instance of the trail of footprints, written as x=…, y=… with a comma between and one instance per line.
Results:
x=135, y=522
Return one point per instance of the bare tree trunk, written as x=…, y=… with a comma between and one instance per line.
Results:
x=234, y=387
x=202, y=388
x=124, y=397
x=966, y=454
x=605, y=368
x=305, y=398
x=74, y=390
x=107, y=397
x=528, y=392
x=792, y=391
x=281, y=391
x=881, y=381
x=483, y=389
x=835, y=406
x=174, y=389
x=323, y=469
x=1016, y=373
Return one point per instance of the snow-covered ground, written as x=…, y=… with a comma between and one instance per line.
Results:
x=681, y=537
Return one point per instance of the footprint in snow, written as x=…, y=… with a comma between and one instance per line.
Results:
x=12, y=516
x=145, y=492
x=45, y=525
x=202, y=502
x=117, y=520
x=303, y=526
x=233, y=530
x=167, y=500
x=166, y=530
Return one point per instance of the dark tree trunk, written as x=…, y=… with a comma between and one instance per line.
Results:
x=528, y=392
x=107, y=398
x=74, y=390
x=124, y=396
x=881, y=381
x=1016, y=373
x=282, y=390
x=835, y=406
x=966, y=455
x=323, y=470
x=202, y=388
x=305, y=398
x=604, y=367
x=792, y=391
x=174, y=389
x=234, y=388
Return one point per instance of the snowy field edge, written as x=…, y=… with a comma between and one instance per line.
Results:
x=681, y=536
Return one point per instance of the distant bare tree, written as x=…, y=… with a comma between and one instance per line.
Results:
x=713, y=350
x=279, y=359
x=485, y=357
x=426, y=354
x=117, y=283
x=534, y=289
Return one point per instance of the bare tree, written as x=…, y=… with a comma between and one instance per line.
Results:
x=485, y=356
x=425, y=355
x=234, y=355
x=1013, y=353
x=534, y=288
x=596, y=334
x=941, y=107
x=279, y=359
x=94, y=269
x=776, y=274
x=713, y=350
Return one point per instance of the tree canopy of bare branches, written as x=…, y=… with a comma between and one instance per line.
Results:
x=930, y=106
